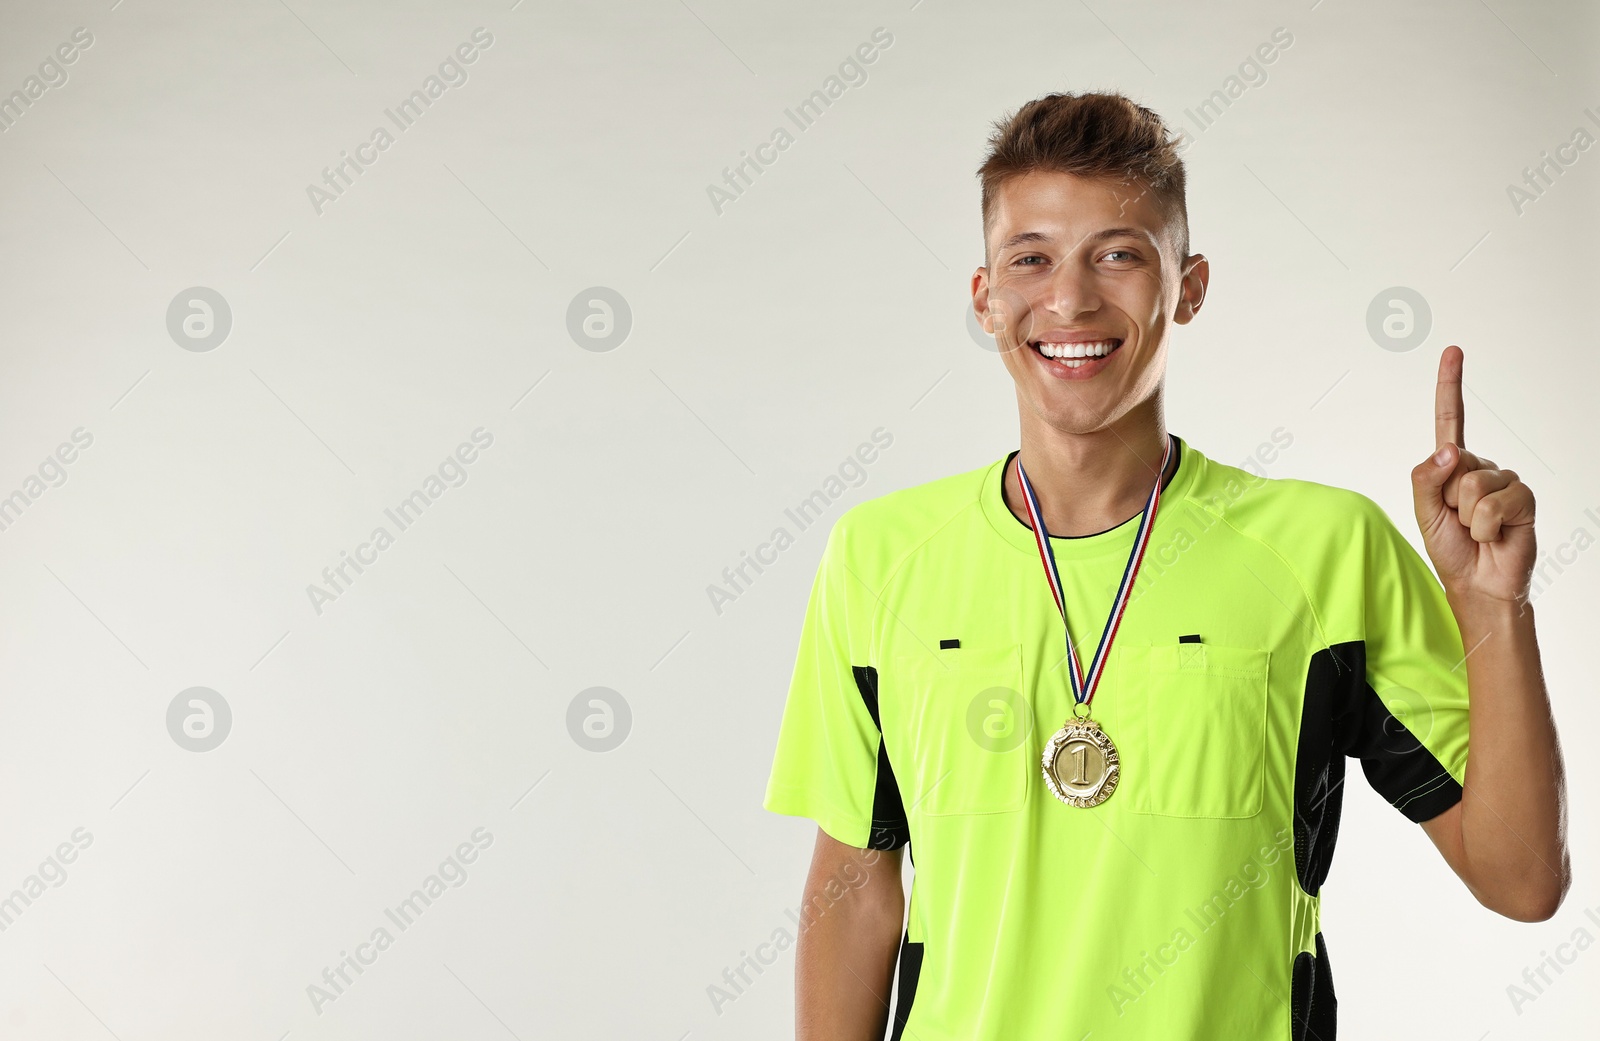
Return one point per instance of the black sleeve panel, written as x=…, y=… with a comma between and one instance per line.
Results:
x=1398, y=766
x=890, y=829
x=1343, y=716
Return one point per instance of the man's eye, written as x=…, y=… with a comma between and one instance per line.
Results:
x=1031, y=256
x=1124, y=252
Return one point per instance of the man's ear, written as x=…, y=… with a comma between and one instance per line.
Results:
x=1192, y=288
x=980, y=298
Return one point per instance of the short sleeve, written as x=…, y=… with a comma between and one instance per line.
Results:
x=830, y=764
x=1410, y=726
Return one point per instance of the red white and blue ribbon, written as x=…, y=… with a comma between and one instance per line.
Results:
x=1083, y=687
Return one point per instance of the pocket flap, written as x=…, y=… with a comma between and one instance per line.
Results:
x=970, y=728
x=1198, y=747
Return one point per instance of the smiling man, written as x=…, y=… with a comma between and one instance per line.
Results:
x=1120, y=785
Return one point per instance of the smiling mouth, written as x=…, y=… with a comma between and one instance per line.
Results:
x=1076, y=355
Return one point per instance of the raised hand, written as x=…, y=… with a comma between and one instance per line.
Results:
x=1476, y=519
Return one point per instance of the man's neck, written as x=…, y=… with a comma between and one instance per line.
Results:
x=1088, y=483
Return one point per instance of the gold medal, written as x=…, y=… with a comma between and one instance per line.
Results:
x=1081, y=764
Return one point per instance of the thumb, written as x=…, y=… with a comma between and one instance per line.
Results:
x=1427, y=482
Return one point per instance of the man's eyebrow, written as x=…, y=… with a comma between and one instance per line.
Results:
x=1021, y=237
x=1111, y=233
x=1038, y=236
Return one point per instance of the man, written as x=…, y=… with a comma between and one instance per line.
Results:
x=1141, y=857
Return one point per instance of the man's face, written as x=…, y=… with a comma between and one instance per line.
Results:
x=1074, y=262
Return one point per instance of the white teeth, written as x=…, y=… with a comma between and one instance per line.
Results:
x=1077, y=350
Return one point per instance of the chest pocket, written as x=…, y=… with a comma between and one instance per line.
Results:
x=969, y=726
x=1198, y=743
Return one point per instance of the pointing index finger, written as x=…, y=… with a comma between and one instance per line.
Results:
x=1447, y=407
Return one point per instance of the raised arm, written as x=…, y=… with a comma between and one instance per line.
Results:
x=1506, y=838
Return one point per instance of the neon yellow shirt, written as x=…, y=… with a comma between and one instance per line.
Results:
x=1276, y=627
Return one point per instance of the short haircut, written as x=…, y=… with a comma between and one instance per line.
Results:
x=1104, y=135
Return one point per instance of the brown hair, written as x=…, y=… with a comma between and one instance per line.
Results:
x=1090, y=135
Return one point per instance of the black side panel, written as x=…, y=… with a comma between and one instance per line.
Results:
x=910, y=970
x=1300, y=995
x=1313, y=1007
x=1331, y=680
x=889, y=827
x=1324, y=1005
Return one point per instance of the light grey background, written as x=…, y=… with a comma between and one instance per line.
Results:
x=430, y=299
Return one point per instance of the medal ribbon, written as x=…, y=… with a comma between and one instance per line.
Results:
x=1083, y=687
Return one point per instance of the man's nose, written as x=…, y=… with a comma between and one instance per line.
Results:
x=1072, y=290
